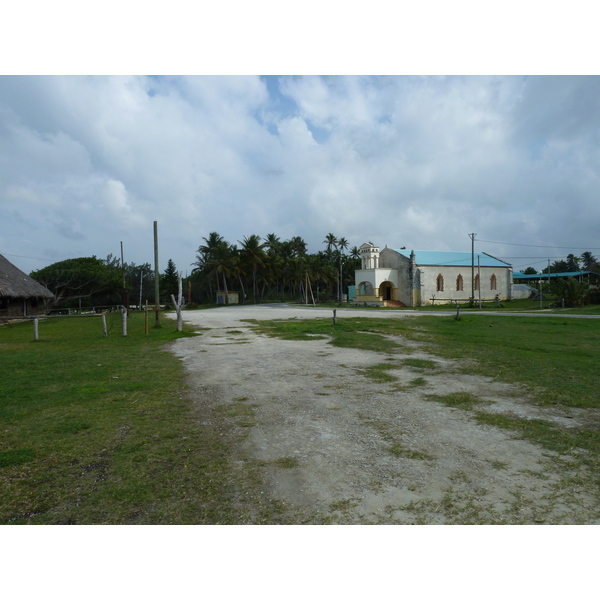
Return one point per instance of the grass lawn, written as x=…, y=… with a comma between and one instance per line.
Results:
x=99, y=430
x=555, y=360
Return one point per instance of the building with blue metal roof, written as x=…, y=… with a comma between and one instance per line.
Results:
x=392, y=277
x=453, y=259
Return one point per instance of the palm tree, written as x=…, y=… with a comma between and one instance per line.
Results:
x=572, y=263
x=342, y=245
x=272, y=243
x=224, y=261
x=298, y=246
x=320, y=270
x=331, y=242
x=572, y=292
x=205, y=254
x=589, y=261
x=252, y=253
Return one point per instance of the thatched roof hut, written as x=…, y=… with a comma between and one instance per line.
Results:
x=20, y=295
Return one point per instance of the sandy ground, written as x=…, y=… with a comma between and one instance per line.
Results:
x=330, y=445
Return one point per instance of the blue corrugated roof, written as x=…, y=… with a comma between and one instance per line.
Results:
x=453, y=259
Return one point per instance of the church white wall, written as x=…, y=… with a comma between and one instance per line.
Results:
x=429, y=275
x=376, y=276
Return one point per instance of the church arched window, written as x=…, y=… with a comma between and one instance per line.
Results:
x=477, y=281
x=440, y=283
x=493, y=282
x=459, y=283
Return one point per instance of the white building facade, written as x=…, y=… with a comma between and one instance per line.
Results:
x=416, y=278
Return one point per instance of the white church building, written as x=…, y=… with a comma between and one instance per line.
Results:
x=415, y=278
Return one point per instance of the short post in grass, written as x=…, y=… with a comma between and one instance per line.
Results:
x=104, y=328
x=36, y=331
x=334, y=317
x=124, y=321
x=457, y=317
x=146, y=319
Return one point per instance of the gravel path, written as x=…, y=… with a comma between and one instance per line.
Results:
x=332, y=446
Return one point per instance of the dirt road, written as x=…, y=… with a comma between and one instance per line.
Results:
x=325, y=444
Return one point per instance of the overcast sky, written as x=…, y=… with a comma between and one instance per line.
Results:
x=89, y=161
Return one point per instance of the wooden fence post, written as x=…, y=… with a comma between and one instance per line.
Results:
x=36, y=334
x=334, y=317
x=177, y=304
x=104, y=328
x=124, y=321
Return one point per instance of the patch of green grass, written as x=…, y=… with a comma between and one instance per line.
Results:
x=243, y=413
x=499, y=464
x=343, y=505
x=463, y=400
x=585, y=442
x=420, y=364
x=111, y=436
x=347, y=333
x=391, y=435
x=555, y=358
x=397, y=449
x=286, y=462
x=379, y=373
x=15, y=456
x=417, y=382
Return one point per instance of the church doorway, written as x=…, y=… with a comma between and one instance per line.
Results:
x=386, y=291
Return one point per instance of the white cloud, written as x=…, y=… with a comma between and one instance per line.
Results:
x=86, y=162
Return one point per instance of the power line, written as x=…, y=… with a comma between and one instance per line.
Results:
x=532, y=257
x=534, y=246
x=21, y=256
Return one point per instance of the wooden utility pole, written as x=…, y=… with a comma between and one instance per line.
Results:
x=472, y=236
x=124, y=293
x=156, y=278
x=479, y=278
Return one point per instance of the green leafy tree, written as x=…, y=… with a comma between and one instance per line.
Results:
x=204, y=256
x=169, y=281
x=573, y=292
x=225, y=262
x=573, y=263
x=272, y=244
x=589, y=261
x=253, y=255
x=331, y=242
x=79, y=278
x=298, y=246
x=529, y=271
x=558, y=266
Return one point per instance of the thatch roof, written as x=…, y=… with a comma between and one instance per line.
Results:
x=16, y=284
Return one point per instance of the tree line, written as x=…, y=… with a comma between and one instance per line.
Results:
x=571, y=264
x=273, y=269
x=260, y=270
x=570, y=291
